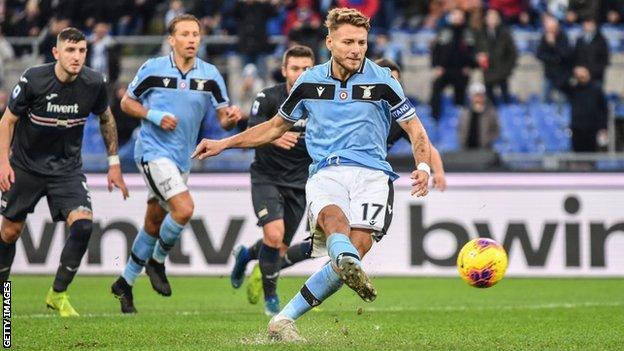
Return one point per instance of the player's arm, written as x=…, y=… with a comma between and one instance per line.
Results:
x=7, y=127
x=421, y=149
x=134, y=108
x=108, y=128
x=261, y=134
x=439, y=179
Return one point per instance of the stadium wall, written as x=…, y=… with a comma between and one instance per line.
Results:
x=551, y=225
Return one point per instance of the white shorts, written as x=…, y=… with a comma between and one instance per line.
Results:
x=364, y=195
x=163, y=179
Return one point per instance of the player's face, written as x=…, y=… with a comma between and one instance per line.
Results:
x=348, y=45
x=71, y=55
x=294, y=67
x=185, y=39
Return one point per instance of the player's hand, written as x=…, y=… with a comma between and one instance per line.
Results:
x=233, y=115
x=439, y=181
x=169, y=123
x=287, y=141
x=420, y=183
x=7, y=176
x=116, y=179
x=207, y=148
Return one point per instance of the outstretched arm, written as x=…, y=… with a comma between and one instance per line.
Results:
x=108, y=128
x=421, y=149
x=258, y=135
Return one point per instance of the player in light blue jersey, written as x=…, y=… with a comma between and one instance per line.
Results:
x=171, y=95
x=350, y=102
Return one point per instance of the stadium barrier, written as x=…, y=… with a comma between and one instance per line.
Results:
x=551, y=225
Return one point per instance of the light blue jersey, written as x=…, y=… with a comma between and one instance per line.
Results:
x=160, y=85
x=348, y=121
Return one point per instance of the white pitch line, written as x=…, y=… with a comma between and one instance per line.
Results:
x=366, y=309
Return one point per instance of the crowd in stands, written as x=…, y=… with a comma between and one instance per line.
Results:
x=467, y=37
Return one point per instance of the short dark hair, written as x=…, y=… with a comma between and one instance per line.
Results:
x=181, y=18
x=297, y=51
x=384, y=62
x=70, y=34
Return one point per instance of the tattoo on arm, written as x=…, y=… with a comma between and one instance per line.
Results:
x=108, y=128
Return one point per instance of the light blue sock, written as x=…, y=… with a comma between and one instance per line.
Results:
x=338, y=245
x=142, y=248
x=316, y=289
x=169, y=234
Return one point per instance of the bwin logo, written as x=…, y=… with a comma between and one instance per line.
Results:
x=367, y=94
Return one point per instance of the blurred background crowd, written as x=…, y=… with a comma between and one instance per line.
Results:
x=499, y=84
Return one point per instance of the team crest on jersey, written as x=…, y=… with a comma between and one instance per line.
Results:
x=343, y=95
x=366, y=94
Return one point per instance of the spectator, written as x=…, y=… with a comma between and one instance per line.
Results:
x=126, y=124
x=497, y=56
x=589, y=110
x=55, y=26
x=29, y=22
x=592, y=51
x=367, y=7
x=478, y=124
x=612, y=11
x=303, y=26
x=452, y=58
x=176, y=7
x=4, y=100
x=513, y=11
x=253, y=41
x=250, y=86
x=208, y=13
x=558, y=9
x=6, y=53
x=582, y=10
x=555, y=52
x=384, y=47
x=104, y=54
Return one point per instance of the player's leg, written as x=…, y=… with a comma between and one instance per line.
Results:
x=169, y=185
x=141, y=251
x=9, y=233
x=328, y=199
x=69, y=201
x=294, y=210
x=181, y=210
x=15, y=205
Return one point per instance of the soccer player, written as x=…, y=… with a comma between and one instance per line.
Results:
x=44, y=120
x=278, y=177
x=396, y=133
x=171, y=95
x=349, y=102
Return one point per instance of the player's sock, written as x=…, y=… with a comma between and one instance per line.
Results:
x=254, y=250
x=75, y=247
x=339, y=245
x=7, y=253
x=170, y=232
x=269, y=266
x=316, y=289
x=296, y=253
x=142, y=248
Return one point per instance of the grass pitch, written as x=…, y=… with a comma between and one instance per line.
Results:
x=409, y=314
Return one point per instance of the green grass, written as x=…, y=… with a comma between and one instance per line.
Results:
x=409, y=314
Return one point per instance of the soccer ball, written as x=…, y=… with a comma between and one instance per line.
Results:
x=482, y=262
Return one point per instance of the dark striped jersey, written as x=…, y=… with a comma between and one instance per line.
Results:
x=272, y=164
x=52, y=114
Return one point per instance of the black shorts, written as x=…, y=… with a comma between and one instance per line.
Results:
x=64, y=194
x=272, y=202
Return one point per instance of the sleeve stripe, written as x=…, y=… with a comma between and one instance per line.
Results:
x=286, y=117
